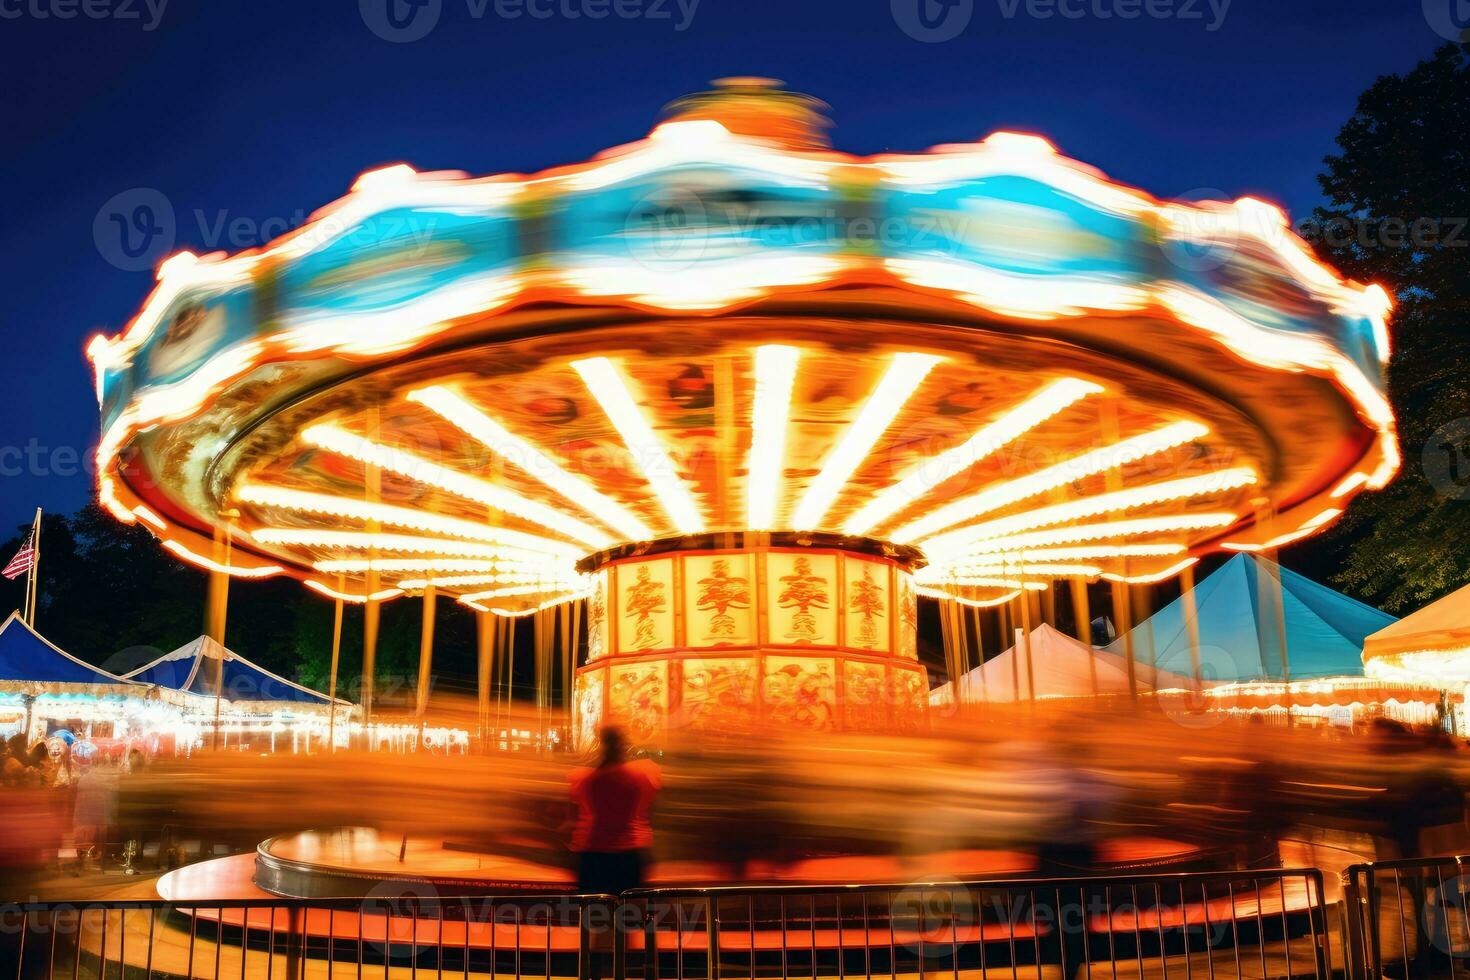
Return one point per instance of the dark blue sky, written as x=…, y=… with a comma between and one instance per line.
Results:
x=250, y=113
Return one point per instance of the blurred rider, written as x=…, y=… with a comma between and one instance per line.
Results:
x=612, y=834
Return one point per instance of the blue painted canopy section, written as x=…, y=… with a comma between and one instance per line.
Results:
x=191, y=668
x=1241, y=626
x=26, y=657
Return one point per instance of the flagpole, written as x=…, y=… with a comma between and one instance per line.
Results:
x=32, y=578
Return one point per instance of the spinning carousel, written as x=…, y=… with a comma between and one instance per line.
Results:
x=737, y=401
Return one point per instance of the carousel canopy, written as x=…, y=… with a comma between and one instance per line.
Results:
x=31, y=664
x=191, y=669
x=1432, y=644
x=1063, y=667
x=1240, y=627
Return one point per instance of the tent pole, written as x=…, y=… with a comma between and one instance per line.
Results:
x=33, y=576
x=1191, y=627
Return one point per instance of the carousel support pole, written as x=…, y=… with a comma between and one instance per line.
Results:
x=332, y=681
x=1122, y=615
x=1049, y=604
x=1191, y=627
x=371, y=617
x=1083, y=617
x=217, y=613
x=947, y=643
x=1141, y=614
x=980, y=653
x=484, y=643
x=426, y=660
x=1025, y=641
x=1271, y=598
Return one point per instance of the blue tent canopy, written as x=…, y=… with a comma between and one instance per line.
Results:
x=29, y=663
x=1241, y=626
x=192, y=669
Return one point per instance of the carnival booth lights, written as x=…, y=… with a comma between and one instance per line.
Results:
x=219, y=691
x=44, y=689
x=1431, y=648
x=735, y=400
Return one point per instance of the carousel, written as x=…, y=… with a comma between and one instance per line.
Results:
x=724, y=405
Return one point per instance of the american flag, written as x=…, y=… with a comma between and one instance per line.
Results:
x=24, y=560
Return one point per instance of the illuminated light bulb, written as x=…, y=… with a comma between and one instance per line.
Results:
x=332, y=593
x=1076, y=510
x=235, y=571
x=1151, y=577
x=530, y=458
x=648, y=452
x=1136, y=527
x=904, y=375
x=424, y=471
x=991, y=438
x=305, y=501
x=775, y=374
x=1014, y=491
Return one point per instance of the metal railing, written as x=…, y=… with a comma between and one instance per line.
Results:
x=1211, y=926
x=1407, y=919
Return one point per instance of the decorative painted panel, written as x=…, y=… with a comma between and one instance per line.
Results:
x=719, y=600
x=645, y=597
x=867, y=604
x=864, y=695
x=588, y=718
x=801, y=590
x=639, y=699
x=597, y=638
x=801, y=692
x=719, y=693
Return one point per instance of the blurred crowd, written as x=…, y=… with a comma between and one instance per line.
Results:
x=1055, y=789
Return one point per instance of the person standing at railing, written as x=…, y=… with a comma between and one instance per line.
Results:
x=612, y=835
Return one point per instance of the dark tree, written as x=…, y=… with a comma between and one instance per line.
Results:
x=1398, y=193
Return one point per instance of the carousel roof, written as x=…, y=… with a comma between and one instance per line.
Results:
x=186, y=669
x=1239, y=632
x=1063, y=667
x=986, y=351
x=32, y=664
x=1430, y=646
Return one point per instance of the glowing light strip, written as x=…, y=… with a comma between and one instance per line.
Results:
x=775, y=374
x=424, y=471
x=1119, y=500
x=1109, y=529
x=904, y=375
x=235, y=571
x=1081, y=553
x=608, y=387
x=1330, y=514
x=991, y=438
x=990, y=583
x=494, y=436
x=971, y=603
x=519, y=613
x=322, y=503
x=427, y=565
x=978, y=572
x=458, y=581
x=1152, y=577
x=512, y=590
x=331, y=593
x=364, y=540
x=147, y=515
x=1014, y=491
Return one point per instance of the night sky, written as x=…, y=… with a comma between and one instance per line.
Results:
x=246, y=115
